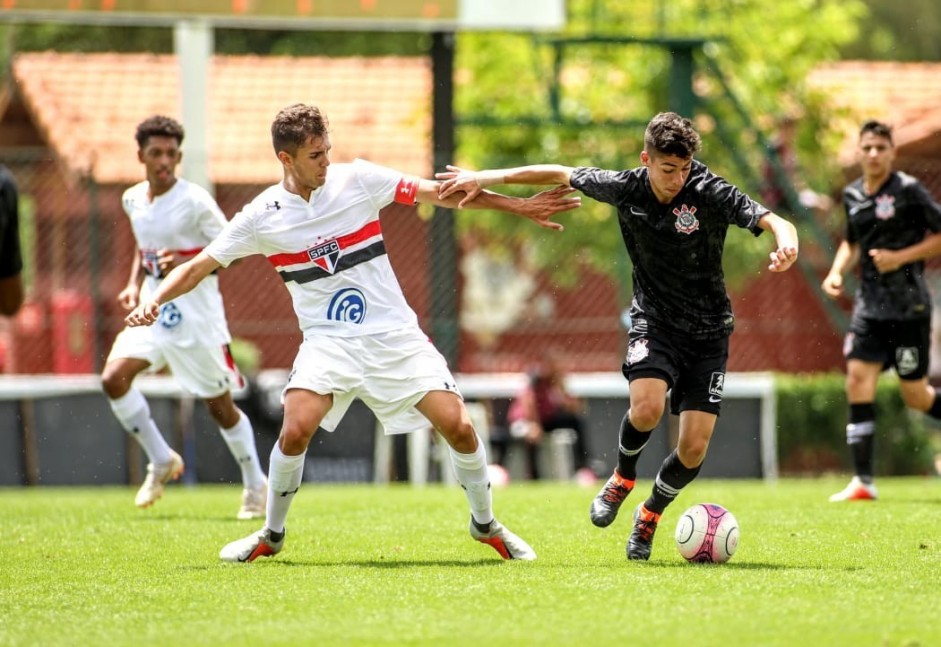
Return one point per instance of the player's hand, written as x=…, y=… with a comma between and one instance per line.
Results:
x=144, y=314
x=886, y=260
x=542, y=206
x=458, y=180
x=782, y=259
x=833, y=284
x=128, y=297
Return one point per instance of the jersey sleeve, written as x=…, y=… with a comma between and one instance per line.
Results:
x=385, y=185
x=931, y=207
x=237, y=238
x=209, y=217
x=849, y=232
x=739, y=208
x=611, y=187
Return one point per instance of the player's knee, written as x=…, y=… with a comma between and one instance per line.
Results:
x=295, y=437
x=646, y=414
x=461, y=436
x=113, y=384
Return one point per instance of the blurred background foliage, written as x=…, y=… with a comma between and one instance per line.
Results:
x=511, y=111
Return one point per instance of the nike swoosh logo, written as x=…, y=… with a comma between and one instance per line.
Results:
x=638, y=212
x=714, y=400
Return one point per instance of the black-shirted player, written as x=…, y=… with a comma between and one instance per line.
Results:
x=892, y=226
x=11, y=261
x=674, y=214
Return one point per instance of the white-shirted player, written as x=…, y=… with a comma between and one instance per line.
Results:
x=321, y=232
x=173, y=220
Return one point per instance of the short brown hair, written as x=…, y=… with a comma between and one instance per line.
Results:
x=158, y=126
x=670, y=134
x=295, y=125
x=877, y=128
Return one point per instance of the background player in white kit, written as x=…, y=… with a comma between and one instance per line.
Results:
x=321, y=232
x=173, y=220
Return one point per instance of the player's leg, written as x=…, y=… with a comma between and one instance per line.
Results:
x=647, y=402
x=696, y=397
x=132, y=354
x=239, y=436
x=866, y=348
x=208, y=372
x=303, y=412
x=447, y=413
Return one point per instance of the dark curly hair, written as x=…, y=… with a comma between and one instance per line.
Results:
x=295, y=125
x=670, y=134
x=158, y=126
x=877, y=128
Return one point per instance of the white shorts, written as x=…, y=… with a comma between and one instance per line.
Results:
x=390, y=372
x=206, y=372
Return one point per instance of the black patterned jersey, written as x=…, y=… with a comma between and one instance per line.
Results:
x=11, y=260
x=898, y=215
x=676, y=249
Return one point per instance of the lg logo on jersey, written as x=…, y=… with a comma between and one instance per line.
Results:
x=348, y=306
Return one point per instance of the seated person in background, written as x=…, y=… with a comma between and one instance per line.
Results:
x=544, y=406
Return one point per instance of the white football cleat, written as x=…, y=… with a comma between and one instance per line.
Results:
x=158, y=476
x=248, y=549
x=856, y=491
x=254, y=501
x=503, y=541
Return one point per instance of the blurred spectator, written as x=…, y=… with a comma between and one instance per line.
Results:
x=11, y=261
x=774, y=193
x=545, y=406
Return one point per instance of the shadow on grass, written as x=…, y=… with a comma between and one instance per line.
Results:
x=372, y=563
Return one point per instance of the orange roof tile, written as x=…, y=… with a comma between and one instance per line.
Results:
x=88, y=105
x=905, y=95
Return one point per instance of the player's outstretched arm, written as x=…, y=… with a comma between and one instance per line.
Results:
x=539, y=208
x=846, y=257
x=180, y=280
x=785, y=236
x=459, y=180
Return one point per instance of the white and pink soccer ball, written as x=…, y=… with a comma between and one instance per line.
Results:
x=707, y=533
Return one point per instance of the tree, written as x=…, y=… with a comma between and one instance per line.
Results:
x=507, y=101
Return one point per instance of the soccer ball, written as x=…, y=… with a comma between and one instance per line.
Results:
x=707, y=533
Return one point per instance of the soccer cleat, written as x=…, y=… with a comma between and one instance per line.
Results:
x=856, y=491
x=503, y=541
x=254, y=501
x=248, y=549
x=605, y=505
x=641, y=540
x=158, y=476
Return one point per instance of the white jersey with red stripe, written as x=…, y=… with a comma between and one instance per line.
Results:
x=184, y=220
x=329, y=250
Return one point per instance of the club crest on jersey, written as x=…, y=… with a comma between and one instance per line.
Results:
x=637, y=351
x=885, y=207
x=325, y=255
x=686, y=220
x=906, y=360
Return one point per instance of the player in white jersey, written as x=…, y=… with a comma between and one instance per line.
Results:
x=173, y=220
x=321, y=232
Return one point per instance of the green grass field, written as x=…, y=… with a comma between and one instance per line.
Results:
x=395, y=565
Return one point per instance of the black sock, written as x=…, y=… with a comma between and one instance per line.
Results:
x=672, y=477
x=860, y=436
x=631, y=443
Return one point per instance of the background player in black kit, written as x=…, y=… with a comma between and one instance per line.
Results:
x=892, y=226
x=674, y=214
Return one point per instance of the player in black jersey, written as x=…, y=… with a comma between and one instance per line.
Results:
x=892, y=226
x=674, y=214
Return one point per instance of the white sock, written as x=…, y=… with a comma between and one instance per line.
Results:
x=284, y=479
x=471, y=472
x=241, y=441
x=133, y=412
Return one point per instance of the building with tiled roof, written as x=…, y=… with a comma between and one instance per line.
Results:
x=87, y=106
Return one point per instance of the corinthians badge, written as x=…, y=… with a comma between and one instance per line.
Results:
x=686, y=221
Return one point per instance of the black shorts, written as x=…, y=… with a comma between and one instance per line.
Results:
x=693, y=368
x=896, y=343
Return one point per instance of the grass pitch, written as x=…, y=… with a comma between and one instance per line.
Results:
x=369, y=565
